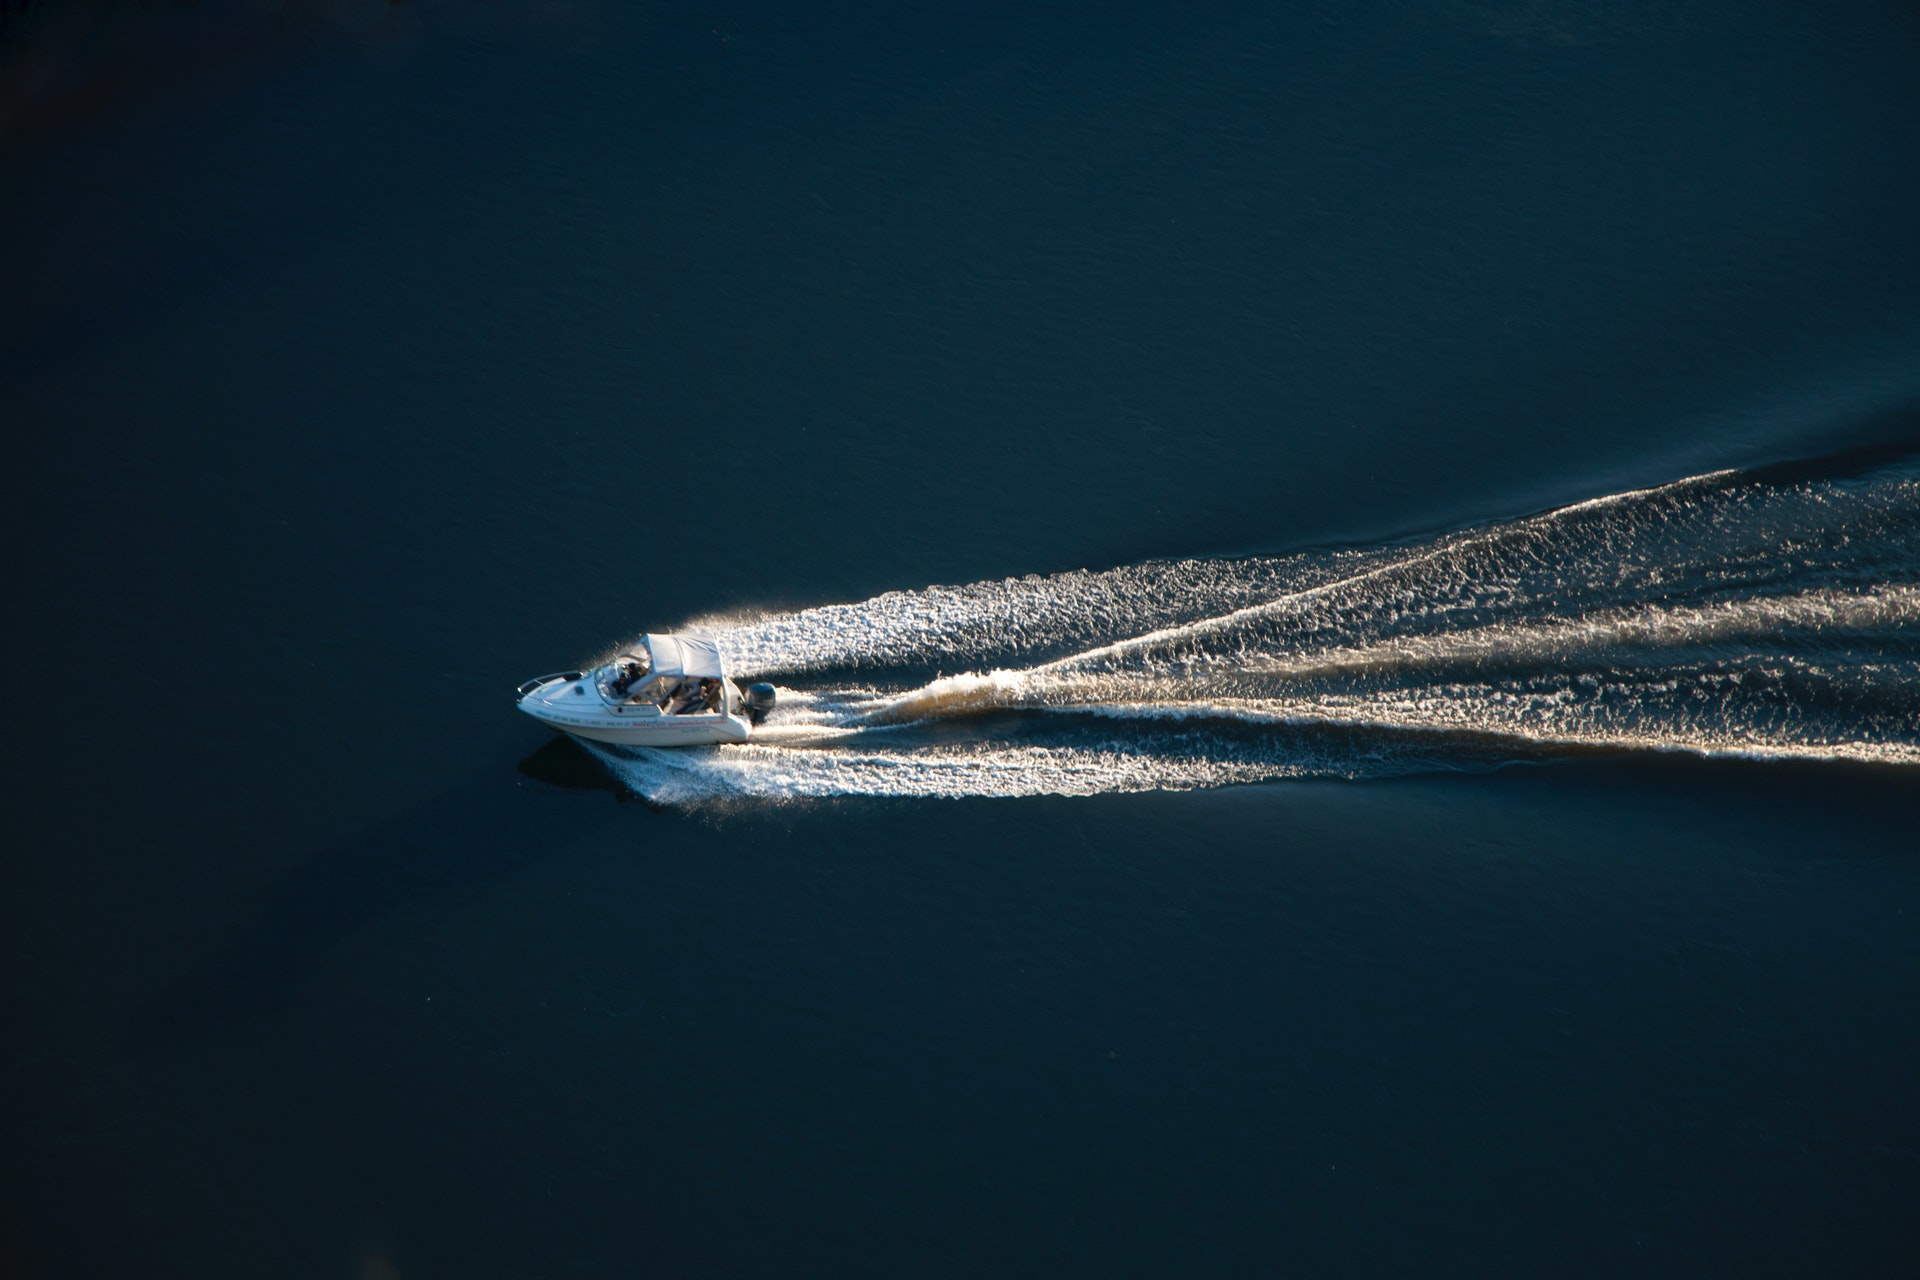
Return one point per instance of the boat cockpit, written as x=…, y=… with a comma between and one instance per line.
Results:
x=667, y=675
x=630, y=684
x=668, y=690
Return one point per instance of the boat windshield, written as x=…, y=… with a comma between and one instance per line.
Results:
x=621, y=678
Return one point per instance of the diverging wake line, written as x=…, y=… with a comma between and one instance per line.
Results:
x=1723, y=614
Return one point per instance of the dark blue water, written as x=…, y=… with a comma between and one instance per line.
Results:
x=1345, y=579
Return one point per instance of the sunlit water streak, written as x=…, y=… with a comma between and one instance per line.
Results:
x=1722, y=614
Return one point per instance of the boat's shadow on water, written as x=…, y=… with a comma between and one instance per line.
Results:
x=565, y=764
x=474, y=833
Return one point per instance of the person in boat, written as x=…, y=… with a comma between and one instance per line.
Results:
x=630, y=670
x=686, y=698
x=694, y=697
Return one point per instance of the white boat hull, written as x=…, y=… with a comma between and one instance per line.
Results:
x=568, y=703
x=678, y=731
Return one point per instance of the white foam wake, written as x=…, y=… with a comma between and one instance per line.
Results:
x=1723, y=614
x=770, y=772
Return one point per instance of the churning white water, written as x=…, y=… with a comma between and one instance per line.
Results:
x=1731, y=613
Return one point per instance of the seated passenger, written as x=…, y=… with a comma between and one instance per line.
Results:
x=710, y=694
x=686, y=697
x=627, y=672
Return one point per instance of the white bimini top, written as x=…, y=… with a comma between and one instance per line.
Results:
x=684, y=657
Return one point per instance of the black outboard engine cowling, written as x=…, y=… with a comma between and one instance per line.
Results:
x=759, y=699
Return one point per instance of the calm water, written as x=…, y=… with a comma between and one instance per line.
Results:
x=1345, y=579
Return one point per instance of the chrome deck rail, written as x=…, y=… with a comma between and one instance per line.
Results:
x=539, y=681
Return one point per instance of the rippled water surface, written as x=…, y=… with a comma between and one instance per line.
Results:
x=1344, y=584
x=1727, y=614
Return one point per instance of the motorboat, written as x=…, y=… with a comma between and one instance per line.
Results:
x=666, y=691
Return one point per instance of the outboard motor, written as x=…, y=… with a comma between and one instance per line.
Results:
x=759, y=700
